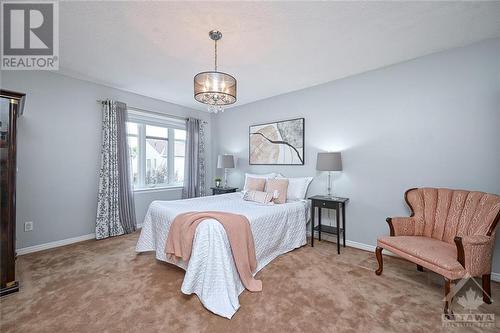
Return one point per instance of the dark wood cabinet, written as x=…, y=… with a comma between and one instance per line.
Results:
x=10, y=109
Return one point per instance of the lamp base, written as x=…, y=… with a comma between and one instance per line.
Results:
x=329, y=183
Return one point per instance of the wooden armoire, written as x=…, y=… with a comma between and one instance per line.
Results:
x=11, y=108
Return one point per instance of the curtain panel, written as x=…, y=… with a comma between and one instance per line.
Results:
x=202, y=158
x=115, y=202
x=195, y=159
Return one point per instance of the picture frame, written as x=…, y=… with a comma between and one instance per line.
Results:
x=277, y=143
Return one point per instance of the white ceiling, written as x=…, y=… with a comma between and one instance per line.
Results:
x=155, y=48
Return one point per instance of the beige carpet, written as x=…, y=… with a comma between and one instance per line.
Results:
x=103, y=286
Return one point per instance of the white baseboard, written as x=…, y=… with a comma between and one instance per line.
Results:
x=362, y=246
x=50, y=245
x=371, y=248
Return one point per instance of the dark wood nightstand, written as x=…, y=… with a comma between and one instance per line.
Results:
x=223, y=190
x=323, y=201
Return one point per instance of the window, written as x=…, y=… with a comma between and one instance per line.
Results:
x=179, y=152
x=156, y=156
x=156, y=152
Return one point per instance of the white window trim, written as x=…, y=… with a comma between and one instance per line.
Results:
x=155, y=119
x=158, y=189
x=142, y=119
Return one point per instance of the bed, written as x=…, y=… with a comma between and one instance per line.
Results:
x=210, y=272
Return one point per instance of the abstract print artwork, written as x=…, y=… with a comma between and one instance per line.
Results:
x=278, y=143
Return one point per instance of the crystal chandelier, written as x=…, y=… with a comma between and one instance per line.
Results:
x=215, y=88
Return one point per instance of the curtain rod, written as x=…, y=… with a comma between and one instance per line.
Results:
x=154, y=112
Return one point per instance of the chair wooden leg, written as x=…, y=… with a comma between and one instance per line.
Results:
x=486, y=279
x=447, y=291
x=420, y=268
x=378, y=253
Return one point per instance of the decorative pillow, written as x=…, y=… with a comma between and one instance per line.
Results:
x=252, y=175
x=297, y=187
x=278, y=187
x=255, y=184
x=258, y=196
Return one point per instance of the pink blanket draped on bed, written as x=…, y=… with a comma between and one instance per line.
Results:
x=181, y=235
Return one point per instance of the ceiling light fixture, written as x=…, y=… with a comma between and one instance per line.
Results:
x=215, y=88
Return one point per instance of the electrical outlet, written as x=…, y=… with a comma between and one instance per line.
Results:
x=28, y=226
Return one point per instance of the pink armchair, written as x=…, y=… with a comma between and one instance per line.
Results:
x=450, y=232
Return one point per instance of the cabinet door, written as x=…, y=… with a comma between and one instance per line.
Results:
x=8, y=118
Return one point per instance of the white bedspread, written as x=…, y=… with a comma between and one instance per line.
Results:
x=211, y=273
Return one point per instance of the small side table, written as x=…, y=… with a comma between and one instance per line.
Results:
x=223, y=190
x=323, y=201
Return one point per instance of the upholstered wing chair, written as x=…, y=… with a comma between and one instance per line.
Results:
x=450, y=232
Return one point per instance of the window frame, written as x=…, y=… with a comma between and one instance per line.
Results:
x=169, y=124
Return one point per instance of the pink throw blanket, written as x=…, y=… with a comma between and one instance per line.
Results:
x=181, y=235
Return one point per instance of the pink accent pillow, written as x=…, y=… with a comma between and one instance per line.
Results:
x=278, y=187
x=255, y=184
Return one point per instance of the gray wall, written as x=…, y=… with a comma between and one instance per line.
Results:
x=59, y=153
x=433, y=121
x=428, y=122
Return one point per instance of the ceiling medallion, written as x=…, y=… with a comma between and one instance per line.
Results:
x=215, y=88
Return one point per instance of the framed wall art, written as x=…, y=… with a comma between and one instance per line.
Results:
x=277, y=143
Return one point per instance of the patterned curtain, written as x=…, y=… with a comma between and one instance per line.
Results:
x=195, y=165
x=115, y=208
x=202, y=158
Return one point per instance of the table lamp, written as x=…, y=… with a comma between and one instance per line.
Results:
x=225, y=162
x=329, y=162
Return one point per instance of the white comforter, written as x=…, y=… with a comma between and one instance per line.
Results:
x=210, y=272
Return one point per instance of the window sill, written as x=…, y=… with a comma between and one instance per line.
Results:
x=158, y=189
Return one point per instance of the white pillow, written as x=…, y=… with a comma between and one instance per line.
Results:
x=297, y=188
x=253, y=175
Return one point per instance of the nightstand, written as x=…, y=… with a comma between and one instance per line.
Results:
x=223, y=190
x=323, y=201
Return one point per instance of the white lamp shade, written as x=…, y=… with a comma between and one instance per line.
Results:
x=225, y=162
x=329, y=162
